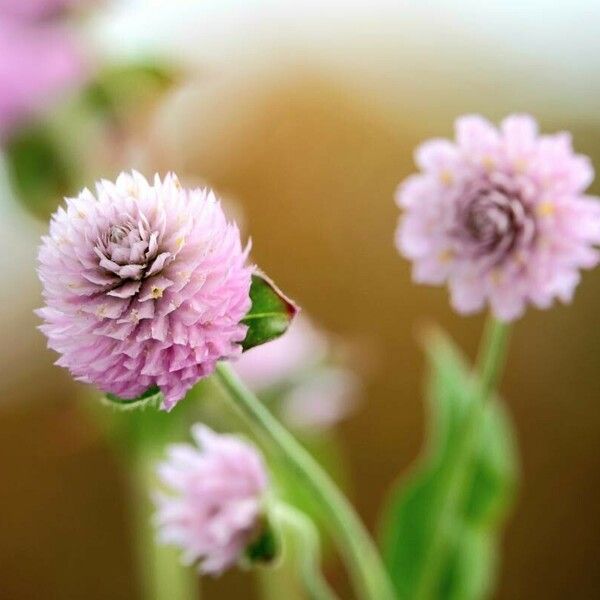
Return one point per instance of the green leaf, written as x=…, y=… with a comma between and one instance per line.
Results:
x=270, y=314
x=424, y=511
x=39, y=169
x=120, y=88
x=266, y=548
x=151, y=398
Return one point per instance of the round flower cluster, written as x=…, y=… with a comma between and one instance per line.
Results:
x=214, y=503
x=501, y=216
x=145, y=286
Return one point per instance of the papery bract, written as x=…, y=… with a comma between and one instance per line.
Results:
x=145, y=285
x=213, y=500
x=500, y=215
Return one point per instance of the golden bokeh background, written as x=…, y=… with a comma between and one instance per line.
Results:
x=307, y=136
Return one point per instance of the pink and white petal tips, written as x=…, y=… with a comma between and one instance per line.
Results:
x=500, y=216
x=212, y=503
x=145, y=285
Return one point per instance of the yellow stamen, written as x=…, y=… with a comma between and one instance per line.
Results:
x=446, y=177
x=488, y=163
x=445, y=256
x=546, y=209
x=520, y=165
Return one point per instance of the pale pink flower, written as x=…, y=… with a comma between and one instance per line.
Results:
x=37, y=9
x=145, y=285
x=213, y=506
x=38, y=64
x=312, y=392
x=321, y=399
x=500, y=215
x=279, y=361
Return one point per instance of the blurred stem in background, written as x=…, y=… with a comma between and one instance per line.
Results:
x=492, y=356
x=457, y=480
x=355, y=544
x=161, y=575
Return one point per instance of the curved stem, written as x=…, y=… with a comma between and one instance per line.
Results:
x=356, y=546
x=304, y=535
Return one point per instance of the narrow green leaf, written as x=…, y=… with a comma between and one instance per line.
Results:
x=270, y=314
x=422, y=509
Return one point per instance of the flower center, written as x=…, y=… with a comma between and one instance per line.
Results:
x=492, y=223
x=129, y=253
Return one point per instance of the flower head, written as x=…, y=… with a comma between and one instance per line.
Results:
x=145, y=285
x=214, y=503
x=500, y=215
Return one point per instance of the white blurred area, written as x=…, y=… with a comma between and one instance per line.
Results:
x=436, y=52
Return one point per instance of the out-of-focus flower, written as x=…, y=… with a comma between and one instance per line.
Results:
x=313, y=393
x=282, y=359
x=36, y=9
x=145, y=285
x=214, y=503
x=500, y=216
x=39, y=61
x=322, y=400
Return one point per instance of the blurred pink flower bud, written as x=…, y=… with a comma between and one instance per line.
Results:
x=213, y=506
x=314, y=393
x=38, y=63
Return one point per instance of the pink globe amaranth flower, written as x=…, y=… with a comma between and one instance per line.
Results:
x=145, y=285
x=38, y=63
x=501, y=216
x=213, y=504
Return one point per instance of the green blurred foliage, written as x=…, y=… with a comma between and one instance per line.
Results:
x=55, y=155
x=40, y=171
x=425, y=511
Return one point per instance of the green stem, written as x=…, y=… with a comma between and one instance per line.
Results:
x=161, y=574
x=492, y=356
x=489, y=366
x=303, y=534
x=356, y=546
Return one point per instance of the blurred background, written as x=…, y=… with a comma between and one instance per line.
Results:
x=303, y=115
